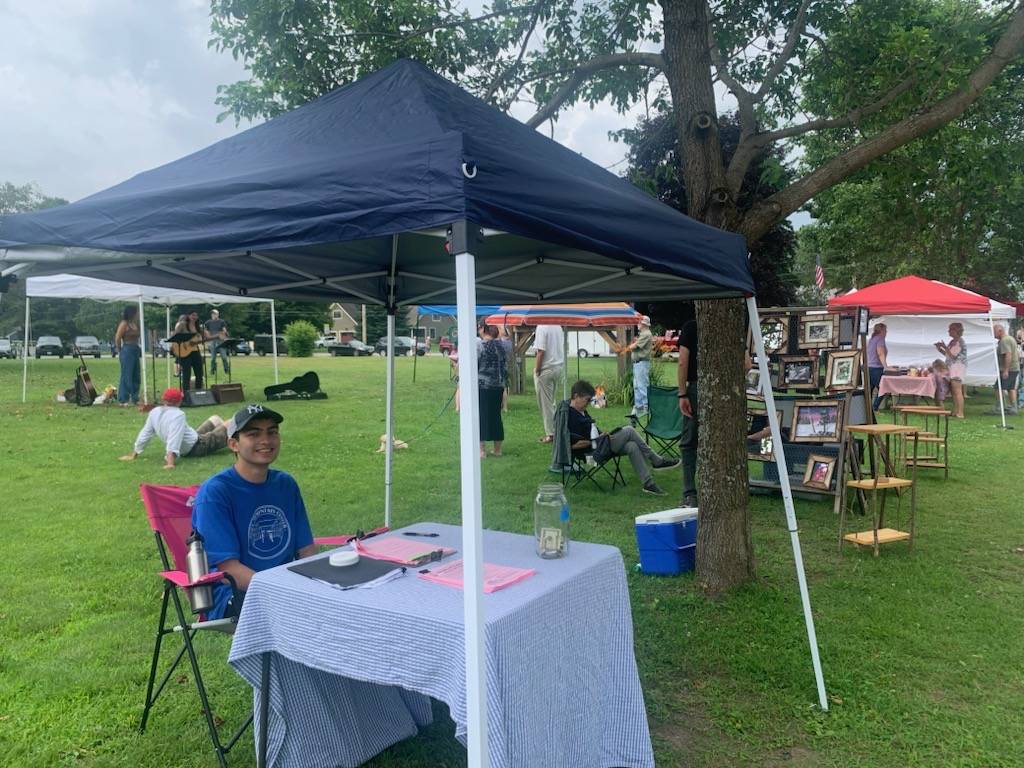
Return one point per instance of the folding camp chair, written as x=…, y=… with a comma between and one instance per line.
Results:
x=579, y=465
x=169, y=509
x=664, y=423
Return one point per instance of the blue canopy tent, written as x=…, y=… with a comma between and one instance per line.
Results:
x=400, y=189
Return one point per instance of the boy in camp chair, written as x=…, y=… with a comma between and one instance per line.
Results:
x=623, y=441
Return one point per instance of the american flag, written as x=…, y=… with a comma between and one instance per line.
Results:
x=819, y=274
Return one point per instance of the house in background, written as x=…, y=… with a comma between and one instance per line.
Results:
x=343, y=320
x=429, y=327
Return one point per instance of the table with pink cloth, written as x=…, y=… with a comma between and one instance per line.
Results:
x=923, y=386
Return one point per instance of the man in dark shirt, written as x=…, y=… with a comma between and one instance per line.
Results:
x=216, y=329
x=687, y=380
x=624, y=440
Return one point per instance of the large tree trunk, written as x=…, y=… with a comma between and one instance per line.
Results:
x=725, y=556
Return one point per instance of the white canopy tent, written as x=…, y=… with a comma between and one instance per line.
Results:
x=65, y=286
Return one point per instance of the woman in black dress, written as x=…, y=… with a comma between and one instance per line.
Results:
x=492, y=372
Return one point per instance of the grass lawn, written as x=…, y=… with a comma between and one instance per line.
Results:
x=922, y=652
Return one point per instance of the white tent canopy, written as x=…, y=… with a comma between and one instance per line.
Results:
x=63, y=286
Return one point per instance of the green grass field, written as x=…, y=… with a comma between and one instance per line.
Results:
x=921, y=652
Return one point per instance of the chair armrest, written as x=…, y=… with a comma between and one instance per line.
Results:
x=180, y=578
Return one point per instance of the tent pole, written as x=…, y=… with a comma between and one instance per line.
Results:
x=999, y=378
x=472, y=517
x=415, y=344
x=565, y=364
x=273, y=339
x=142, y=357
x=24, y=352
x=167, y=335
x=787, y=495
x=389, y=416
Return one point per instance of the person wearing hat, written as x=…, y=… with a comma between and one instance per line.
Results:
x=168, y=422
x=641, y=349
x=251, y=517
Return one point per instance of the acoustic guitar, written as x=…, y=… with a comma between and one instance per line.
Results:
x=83, y=376
x=186, y=348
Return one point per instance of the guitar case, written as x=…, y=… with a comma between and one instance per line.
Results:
x=79, y=393
x=304, y=387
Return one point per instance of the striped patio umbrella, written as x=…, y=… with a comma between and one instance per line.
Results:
x=598, y=315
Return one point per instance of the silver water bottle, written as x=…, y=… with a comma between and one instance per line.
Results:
x=197, y=566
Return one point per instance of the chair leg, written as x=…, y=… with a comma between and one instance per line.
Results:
x=186, y=637
x=160, y=632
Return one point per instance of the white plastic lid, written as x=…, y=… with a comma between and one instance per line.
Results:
x=677, y=515
x=343, y=557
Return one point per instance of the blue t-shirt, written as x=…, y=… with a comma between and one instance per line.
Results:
x=259, y=524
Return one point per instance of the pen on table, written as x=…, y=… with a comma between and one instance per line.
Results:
x=419, y=533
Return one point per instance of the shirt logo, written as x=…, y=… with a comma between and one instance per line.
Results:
x=269, y=533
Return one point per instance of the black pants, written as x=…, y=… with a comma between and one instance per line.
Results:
x=194, y=362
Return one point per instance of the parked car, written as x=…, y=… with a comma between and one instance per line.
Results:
x=403, y=346
x=262, y=344
x=353, y=348
x=162, y=348
x=106, y=348
x=7, y=349
x=86, y=346
x=49, y=345
x=243, y=347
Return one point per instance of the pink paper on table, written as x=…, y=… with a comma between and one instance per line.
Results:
x=495, y=576
x=395, y=549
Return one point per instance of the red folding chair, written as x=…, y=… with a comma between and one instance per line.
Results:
x=169, y=509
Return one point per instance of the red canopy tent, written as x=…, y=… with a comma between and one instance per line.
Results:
x=914, y=295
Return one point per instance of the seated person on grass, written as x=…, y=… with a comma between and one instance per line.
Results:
x=251, y=517
x=168, y=422
x=624, y=440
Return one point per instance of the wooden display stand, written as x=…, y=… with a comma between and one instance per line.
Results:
x=935, y=439
x=888, y=464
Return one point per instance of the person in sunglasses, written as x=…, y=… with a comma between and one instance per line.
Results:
x=250, y=516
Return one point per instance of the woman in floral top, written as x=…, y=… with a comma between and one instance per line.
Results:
x=955, y=351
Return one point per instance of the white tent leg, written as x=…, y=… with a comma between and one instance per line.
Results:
x=787, y=495
x=565, y=364
x=999, y=378
x=24, y=353
x=142, y=358
x=273, y=340
x=389, y=397
x=167, y=357
x=472, y=516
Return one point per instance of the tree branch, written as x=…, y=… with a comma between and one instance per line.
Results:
x=764, y=215
x=503, y=73
x=583, y=72
x=460, y=22
x=792, y=38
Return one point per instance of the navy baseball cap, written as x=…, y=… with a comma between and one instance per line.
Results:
x=252, y=411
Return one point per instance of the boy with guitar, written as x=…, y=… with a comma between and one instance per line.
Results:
x=190, y=359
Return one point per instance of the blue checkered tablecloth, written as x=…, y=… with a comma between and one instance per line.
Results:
x=351, y=670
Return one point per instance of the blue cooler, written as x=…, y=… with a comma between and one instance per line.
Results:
x=667, y=541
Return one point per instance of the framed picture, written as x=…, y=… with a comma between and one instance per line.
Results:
x=754, y=381
x=763, y=448
x=819, y=471
x=843, y=367
x=817, y=331
x=797, y=372
x=816, y=421
x=775, y=331
x=862, y=320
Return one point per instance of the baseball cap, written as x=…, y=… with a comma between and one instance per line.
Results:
x=252, y=411
x=172, y=396
x=645, y=320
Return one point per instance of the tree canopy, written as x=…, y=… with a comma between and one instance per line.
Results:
x=772, y=57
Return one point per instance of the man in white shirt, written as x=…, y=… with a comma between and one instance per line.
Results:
x=547, y=370
x=168, y=422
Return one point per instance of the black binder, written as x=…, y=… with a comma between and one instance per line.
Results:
x=367, y=569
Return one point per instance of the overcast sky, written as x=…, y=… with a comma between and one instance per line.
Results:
x=95, y=91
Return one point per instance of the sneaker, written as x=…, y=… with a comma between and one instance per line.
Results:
x=653, y=488
x=665, y=463
x=690, y=500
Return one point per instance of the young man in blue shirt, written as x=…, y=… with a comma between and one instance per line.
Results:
x=252, y=517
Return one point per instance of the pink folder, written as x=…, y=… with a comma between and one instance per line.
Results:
x=395, y=549
x=495, y=576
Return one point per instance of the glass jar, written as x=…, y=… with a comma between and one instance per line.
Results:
x=551, y=521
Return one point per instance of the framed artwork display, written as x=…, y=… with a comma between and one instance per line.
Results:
x=816, y=421
x=775, y=331
x=764, y=450
x=754, y=381
x=817, y=331
x=842, y=369
x=862, y=321
x=797, y=372
x=760, y=449
x=819, y=471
